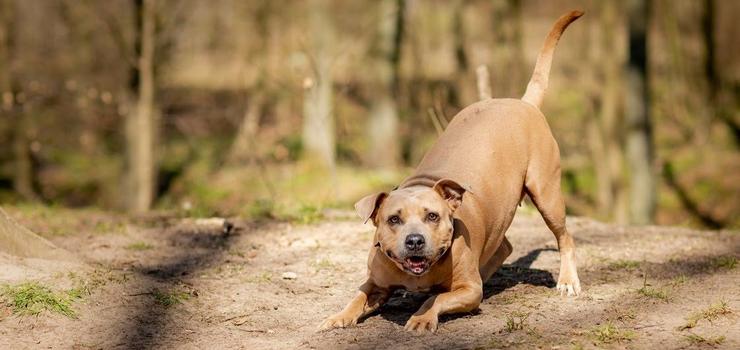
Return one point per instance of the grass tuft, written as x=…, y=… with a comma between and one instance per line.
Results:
x=680, y=279
x=257, y=279
x=625, y=264
x=727, y=261
x=609, y=333
x=516, y=321
x=696, y=339
x=169, y=299
x=262, y=209
x=139, y=246
x=32, y=298
x=652, y=293
x=714, y=311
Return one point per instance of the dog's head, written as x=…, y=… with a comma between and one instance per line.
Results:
x=414, y=225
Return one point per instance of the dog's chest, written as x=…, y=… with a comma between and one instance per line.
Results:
x=422, y=284
x=417, y=288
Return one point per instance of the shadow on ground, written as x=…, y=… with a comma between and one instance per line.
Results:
x=651, y=318
x=403, y=304
x=195, y=249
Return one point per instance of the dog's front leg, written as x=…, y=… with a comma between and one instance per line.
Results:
x=369, y=299
x=461, y=299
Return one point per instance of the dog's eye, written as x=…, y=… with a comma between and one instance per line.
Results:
x=394, y=219
x=432, y=216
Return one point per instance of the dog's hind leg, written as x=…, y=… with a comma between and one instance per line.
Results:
x=496, y=260
x=543, y=187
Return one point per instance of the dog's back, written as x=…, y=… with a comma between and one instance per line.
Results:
x=489, y=145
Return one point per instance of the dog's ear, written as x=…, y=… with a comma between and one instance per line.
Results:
x=368, y=207
x=452, y=192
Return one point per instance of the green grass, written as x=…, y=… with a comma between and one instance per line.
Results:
x=629, y=315
x=81, y=289
x=711, y=313
x=653, y=293
x=139, y=246
x=85, y=284
x=625, y=264
x=680, y=279
x=609, y=333
x=104, y=227
x=696, y=339
x=265, y=209
x=169, y=299
x=257, y=279
x=728, y=261
x=516, y=321
x=32, y=298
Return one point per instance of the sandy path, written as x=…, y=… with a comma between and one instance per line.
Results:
x=237, y=298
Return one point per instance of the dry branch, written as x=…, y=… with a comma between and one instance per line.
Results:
x=483, y=79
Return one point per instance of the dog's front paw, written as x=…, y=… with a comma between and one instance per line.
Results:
x=422, y=324
x=569, y=283
x=339, y=320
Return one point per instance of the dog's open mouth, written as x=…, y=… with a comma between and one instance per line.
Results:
x=416, y=264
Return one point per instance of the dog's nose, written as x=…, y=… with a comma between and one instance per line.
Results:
x=414, y=241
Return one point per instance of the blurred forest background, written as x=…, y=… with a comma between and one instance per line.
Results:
x=284, y=108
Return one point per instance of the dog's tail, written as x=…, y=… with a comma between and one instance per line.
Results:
x=538, y=84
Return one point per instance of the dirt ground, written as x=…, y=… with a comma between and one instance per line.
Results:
x=231, y=294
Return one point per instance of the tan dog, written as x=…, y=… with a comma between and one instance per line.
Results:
x=503, y=149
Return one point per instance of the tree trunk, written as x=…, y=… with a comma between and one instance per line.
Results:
x=141, y=120
x=242, y=149
x=6, y=19
x=23, y=175
x=23, y=167
x=465, y=89
x=244, y=144
x=639, y=126
x=723, y=105
x=508, y=68
x=318, y=116
x=612, y=190
x=385, y=149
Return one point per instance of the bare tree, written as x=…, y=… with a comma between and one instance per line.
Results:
x=23, y=168
x=385, y=149
x=606, y=134
x=7, y=10
x=244, y=143
x=719, y=88
x=508, y=68
x=464, y=76
x=318, y=116
x=140, y=122
x=639, y=126
x=483, y=82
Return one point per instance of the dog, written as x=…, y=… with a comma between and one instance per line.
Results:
x=493, y=153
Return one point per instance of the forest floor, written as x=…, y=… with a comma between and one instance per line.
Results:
x=162, y=282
